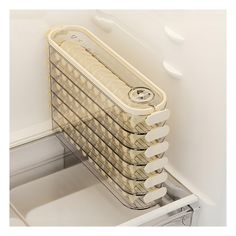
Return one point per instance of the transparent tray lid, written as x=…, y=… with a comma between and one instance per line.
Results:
x=125, y=85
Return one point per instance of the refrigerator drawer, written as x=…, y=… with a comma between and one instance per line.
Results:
x=73, y=196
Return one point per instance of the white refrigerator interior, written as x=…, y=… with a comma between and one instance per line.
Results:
x=182, y=52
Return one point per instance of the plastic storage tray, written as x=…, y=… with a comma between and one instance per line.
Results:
x=112, y=112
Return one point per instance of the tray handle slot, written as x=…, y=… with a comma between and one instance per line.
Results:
x=156, y=164
x=158, y=117
x=154, y=195
x=156, y=133
x=155, y=180
x=156, y=149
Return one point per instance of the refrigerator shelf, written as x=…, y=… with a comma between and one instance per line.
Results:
x=69, y=183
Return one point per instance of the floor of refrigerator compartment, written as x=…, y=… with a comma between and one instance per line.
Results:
x=73, y=196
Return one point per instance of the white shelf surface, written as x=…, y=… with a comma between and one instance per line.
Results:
x=74, y=197
x=15, y=220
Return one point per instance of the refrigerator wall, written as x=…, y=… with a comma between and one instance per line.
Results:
x=183, y=52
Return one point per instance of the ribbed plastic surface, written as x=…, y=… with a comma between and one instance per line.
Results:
x=107, y=114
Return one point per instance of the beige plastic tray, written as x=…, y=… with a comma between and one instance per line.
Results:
x=107, y=108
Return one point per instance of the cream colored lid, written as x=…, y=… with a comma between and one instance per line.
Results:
x=120, y=81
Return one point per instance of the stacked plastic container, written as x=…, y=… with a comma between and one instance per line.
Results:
x=113, y=113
